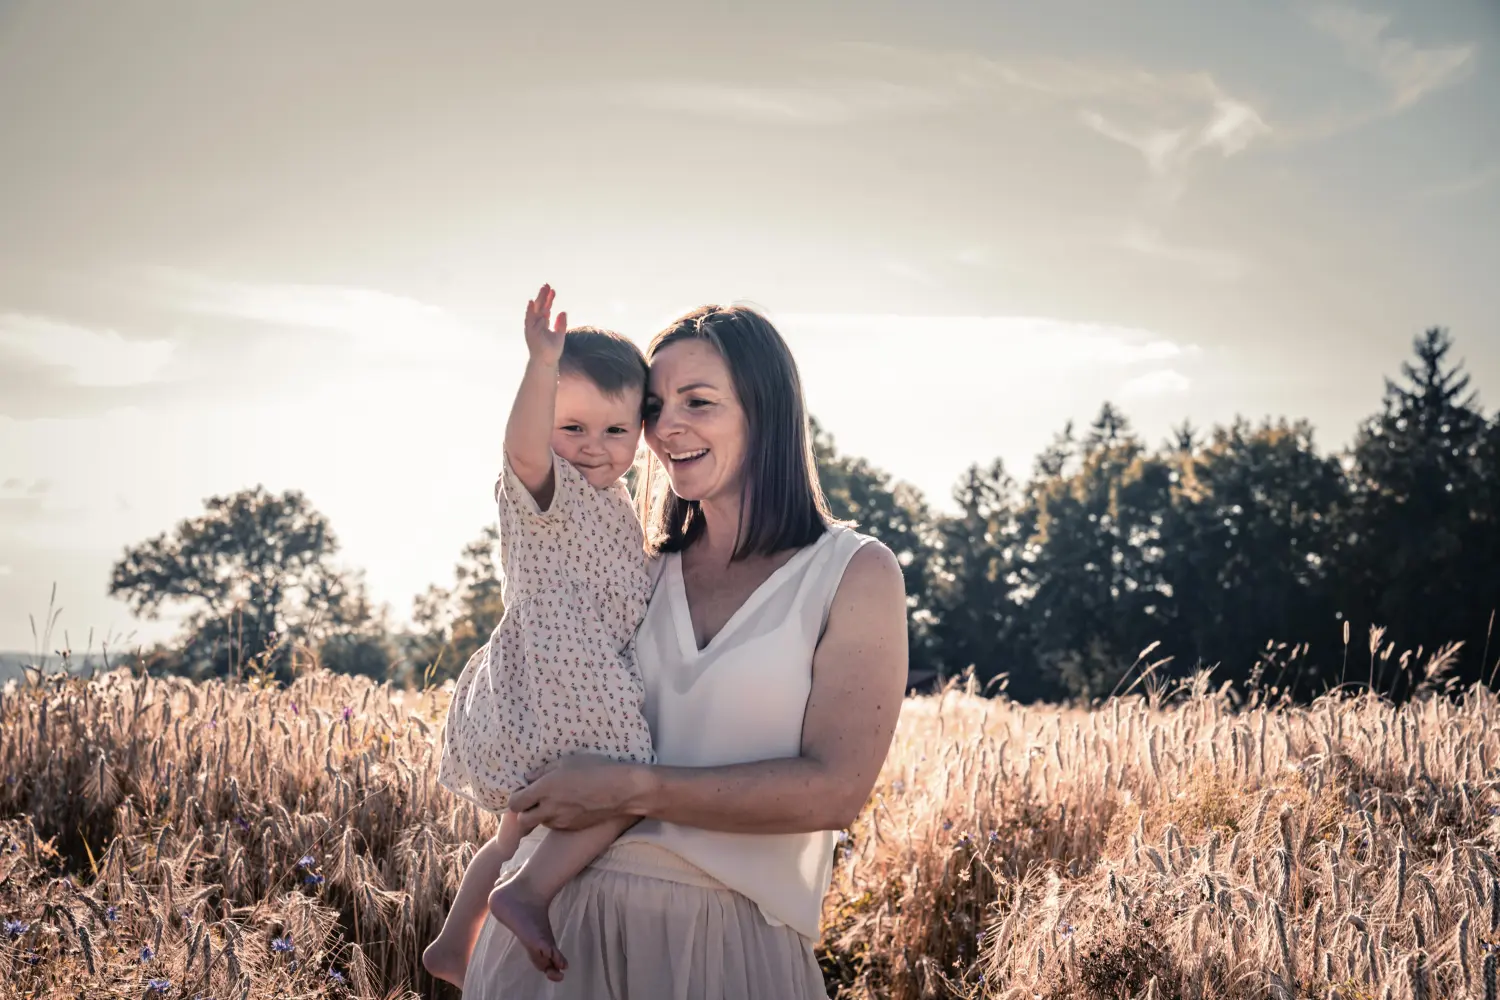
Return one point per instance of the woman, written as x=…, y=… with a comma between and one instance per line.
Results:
x=774, y=654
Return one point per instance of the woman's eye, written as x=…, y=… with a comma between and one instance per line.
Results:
x=698, y=404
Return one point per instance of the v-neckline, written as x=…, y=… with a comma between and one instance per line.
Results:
x=688, y=637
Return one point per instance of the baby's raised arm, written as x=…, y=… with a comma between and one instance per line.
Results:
x=528, y=432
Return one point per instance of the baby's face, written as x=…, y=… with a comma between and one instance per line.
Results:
x=598, y=434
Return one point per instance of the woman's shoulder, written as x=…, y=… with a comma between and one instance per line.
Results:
x=856, y=546
x=855, y=561
x=869, y=558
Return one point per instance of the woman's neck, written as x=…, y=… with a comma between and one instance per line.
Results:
x=721, y=529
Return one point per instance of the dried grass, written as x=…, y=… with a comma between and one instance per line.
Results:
x=257, y=840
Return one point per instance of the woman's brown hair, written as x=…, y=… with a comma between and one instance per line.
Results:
x=781, y=502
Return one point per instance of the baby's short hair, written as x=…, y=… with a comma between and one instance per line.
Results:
x=609, y=360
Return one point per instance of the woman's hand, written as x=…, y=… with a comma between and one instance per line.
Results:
x=578, y=792
x=545, y=344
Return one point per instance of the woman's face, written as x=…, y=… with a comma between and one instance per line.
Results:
x=694, y=422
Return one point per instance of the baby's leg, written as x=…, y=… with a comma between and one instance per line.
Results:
x=523, y=901
x=447, y=958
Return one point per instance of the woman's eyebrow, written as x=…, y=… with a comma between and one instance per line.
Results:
x=694, y=385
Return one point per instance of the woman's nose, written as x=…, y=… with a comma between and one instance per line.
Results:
x=665, y=424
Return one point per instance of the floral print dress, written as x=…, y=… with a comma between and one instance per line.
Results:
x=558, y=675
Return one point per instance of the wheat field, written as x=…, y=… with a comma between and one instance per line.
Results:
x=163, y=839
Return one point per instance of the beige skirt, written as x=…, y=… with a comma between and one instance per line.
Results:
x=642, y=924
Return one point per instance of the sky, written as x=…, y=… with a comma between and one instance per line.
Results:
x=291, y=243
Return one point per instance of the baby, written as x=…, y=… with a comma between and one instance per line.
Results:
x=557, y=675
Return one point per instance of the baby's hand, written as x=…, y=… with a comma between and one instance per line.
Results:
x=546, y=345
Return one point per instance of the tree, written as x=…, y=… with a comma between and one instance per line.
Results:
x=1089, y=570
x=895, y=514
x=1421, y=530
x=978, y=617
x=453, y=622
x=1246, y=541
x=256, y=577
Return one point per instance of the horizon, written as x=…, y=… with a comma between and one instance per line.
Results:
x=285, y=244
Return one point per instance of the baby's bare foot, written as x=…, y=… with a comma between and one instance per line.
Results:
x=516, y=905
x=446, y=959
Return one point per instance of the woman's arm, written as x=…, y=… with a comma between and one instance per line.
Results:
x=528, y=432
x=859, y=679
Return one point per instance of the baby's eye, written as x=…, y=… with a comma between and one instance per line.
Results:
x=619, y=430
x=571, y=428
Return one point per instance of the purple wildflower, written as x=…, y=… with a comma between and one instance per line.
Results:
x=158, y=985
x=283, y=945
x=147, y=953
x=15, y=928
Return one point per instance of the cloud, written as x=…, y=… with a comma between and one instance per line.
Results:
x=375, y=322
x=909, y=272
x=1164, y=382
x=1463, y=185
x=17, y=487
x=855, y=81
x=813, y=102
x=1218, y=265
x=1039, y=344
x=1408, y=72
x=1172, y=120
x=1203, y=120
x=81, y=356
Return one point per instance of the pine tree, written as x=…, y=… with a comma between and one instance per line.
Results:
x=1420, y=532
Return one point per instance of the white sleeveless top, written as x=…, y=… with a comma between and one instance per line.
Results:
x=742, y=698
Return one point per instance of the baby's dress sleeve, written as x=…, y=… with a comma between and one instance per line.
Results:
x=520, y=509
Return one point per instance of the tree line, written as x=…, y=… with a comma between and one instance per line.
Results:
x=1241, y=547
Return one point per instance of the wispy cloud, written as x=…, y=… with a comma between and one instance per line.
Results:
x=910, y=272
x=1468, y=184
x=1163, y=382
x=79, y=355
x=1039, y=344
x=1169, y=117
x=1407, y=71
x=18, y=487
x=812, y=102
x=1172, y=120
x=374, y=322
x=1227, y=127
x=1216, y=264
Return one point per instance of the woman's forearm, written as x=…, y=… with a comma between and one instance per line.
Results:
x=787, y=795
